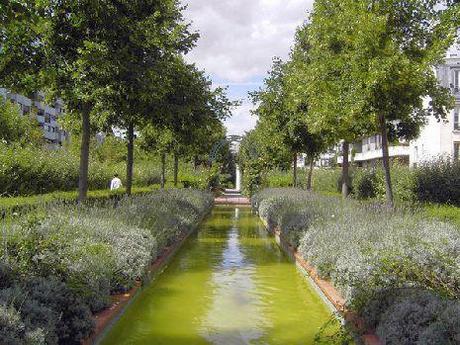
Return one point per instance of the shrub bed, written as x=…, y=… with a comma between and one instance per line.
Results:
x=63, y=262
x=324, y=180
x=436, y=181
x=369, y=251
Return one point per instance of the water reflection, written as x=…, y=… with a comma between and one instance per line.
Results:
x=229, y=285
x=235, y=316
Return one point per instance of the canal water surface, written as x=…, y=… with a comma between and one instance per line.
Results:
x=229, y=285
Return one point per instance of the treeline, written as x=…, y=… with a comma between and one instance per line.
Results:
x=114, y=64
x=357, y=68
x=33, y=169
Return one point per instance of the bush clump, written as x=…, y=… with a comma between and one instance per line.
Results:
x=33, y=170
x=370, y=183
x=438, y=181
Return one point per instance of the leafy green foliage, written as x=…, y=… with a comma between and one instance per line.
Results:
x=325, y=180
x=281, y=127
x=438, y=181
x=15, y=128
x=370, y=183
x=365, y=66
x=31, y=170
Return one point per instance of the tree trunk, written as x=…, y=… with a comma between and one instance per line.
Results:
x=130, y=159
x=386, y=161
x=163, y=170
x=84, y=154
x=345, y=166
x=310, y=173
x=176, y=168
x=195, y=163
x=294, y=170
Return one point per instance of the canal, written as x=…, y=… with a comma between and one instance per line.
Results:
x=229, y=284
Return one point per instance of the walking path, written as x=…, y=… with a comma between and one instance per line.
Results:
x=232, y=197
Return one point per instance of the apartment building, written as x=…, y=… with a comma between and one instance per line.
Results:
x=47, y=115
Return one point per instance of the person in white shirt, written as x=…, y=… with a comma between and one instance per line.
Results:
x=115, y=183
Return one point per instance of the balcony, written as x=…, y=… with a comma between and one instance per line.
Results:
x=375, y=154
x=394, y=151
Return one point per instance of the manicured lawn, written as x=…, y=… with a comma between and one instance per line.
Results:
x=7, y=204
x=443, y=212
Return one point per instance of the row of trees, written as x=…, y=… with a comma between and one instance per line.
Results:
x=358, y=68
x=113, y=63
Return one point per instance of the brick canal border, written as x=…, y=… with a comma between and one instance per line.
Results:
x=105, y=320
x=232, y=201
x=331, y=296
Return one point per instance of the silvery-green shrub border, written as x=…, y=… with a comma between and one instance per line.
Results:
x=365, y=248
x=95, y=250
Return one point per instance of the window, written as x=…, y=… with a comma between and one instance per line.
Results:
x=456, y=119
x=457, y=151
x=456, y=80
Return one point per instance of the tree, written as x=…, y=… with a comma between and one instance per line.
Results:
x=390, y=49
x=87, y=52
x=192, y=112
x=17, y=128
x=286, y=122
x=153, y=33
x=320, y=79
x=394, y=64
x=61, y=47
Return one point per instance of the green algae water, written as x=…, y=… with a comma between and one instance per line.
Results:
x=229, y=284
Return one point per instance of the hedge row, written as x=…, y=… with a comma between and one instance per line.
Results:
x=400, y=271
x=61, y=264
x=436, y=181
x=29, y=170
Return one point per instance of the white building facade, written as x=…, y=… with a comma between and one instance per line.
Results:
x=441, y=138
x=47, y=116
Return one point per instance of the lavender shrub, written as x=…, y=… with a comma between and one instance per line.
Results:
x=93, y=251
x=366, y=248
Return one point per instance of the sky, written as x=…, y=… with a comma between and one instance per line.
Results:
x=239, y=39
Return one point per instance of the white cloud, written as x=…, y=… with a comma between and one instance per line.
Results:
x=241, y=121
x=240, y=37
